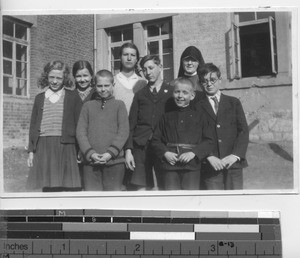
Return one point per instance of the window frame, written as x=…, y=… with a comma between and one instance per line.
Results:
x=22, y=42
x=235, y=47
x=117, y=44
x=160, y=40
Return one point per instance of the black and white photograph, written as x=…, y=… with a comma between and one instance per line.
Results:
x=148, y=102
x=159, y=111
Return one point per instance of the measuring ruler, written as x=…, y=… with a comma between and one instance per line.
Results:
x=139, y=233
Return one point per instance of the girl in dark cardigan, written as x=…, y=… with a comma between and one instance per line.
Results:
x=52, y=134
x=84, y=82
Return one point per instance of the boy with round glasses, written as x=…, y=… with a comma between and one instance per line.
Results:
x=224, y=169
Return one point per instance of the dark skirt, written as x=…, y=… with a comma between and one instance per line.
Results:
x=54, y=165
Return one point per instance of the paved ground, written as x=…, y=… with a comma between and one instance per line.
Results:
x=270, y=167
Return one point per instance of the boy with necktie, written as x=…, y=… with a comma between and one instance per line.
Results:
x=224, y=169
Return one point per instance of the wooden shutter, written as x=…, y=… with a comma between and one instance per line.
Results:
x=273, y=44
x=235, y=53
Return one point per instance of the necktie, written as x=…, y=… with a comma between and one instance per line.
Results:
x=154, y=91
x=216, y=103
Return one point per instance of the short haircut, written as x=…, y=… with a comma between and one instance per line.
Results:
x=208, y=68
x=185, y=81
x=146, y=58
x=104, y=73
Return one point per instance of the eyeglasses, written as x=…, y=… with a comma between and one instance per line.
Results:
x=211, y=81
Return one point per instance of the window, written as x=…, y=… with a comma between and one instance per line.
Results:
x=253, y=45
x=15, y=57
x=159, y=42
x=117, y=37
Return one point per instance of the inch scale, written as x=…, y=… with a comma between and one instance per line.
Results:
x=139, y=234
x=143, y=249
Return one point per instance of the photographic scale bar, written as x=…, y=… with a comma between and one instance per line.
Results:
x=139, y=233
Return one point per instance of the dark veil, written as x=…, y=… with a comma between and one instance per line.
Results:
x=194, y=53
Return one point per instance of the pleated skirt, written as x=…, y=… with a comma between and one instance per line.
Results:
x=54, y=165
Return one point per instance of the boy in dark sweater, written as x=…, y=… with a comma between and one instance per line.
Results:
x=181, y=140
x=102, y=131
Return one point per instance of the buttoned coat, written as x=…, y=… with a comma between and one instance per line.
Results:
x=231, y=134
x=145, y=112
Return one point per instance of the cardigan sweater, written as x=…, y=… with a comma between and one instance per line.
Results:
x=103, y=127
x=72, y=107
x=184, y=126
x=145, y=112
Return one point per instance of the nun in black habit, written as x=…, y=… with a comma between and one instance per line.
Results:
x=191, y=61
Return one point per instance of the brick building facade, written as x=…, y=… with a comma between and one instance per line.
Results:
x=50, y=37
x=221, y=37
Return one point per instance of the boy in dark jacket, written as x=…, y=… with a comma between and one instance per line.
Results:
x=181, y=140
x=224, y=169
x=148, y=105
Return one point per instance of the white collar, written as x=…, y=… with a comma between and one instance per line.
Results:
x=54, y=96
x=218, y=95
x=190, y=75
x=158, y=87
x=127, y=82
x=134, y=76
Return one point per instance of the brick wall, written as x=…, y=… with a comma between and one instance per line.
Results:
x=64, y=37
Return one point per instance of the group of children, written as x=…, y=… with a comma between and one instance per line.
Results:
x=163, y=139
